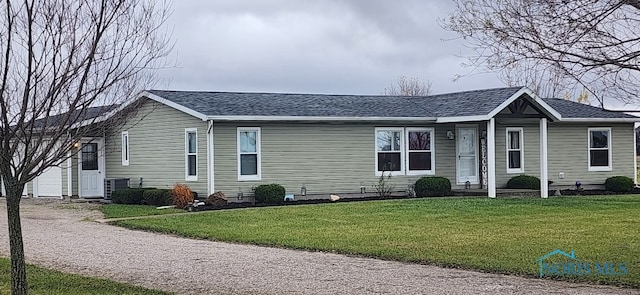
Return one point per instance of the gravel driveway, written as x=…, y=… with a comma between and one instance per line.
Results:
x=61, y=235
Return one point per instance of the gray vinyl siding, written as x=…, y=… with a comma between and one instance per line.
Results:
x=568, y=153
x=75, y=176
x=327, y=158
x=157, y=149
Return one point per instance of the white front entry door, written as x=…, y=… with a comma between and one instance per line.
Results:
x=91, y=175
x=467, y=155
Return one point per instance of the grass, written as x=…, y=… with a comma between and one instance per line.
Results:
x=494, y=235
x=120, y=210
x=51, y=282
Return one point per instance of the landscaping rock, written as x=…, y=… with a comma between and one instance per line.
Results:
x=217, y=199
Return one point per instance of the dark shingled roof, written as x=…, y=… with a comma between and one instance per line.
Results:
x=572, y=109
x=469, y=103
x=459, y=104
x=76, y=117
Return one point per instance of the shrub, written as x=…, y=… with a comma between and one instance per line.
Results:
x=269, y=193
x=524, y=182
x=158, y=197
x=182, y=195
x=432, y=186
x=384, y=187
x=131, y=196
x=619, y=184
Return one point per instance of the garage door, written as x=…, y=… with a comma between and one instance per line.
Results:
x=49, y=183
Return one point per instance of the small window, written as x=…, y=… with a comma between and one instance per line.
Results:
x=420, y=155
x=515, y=150
x=249, y=153
x=599, y=149
x=125, y=148
x=389, y=146
x=191, y=154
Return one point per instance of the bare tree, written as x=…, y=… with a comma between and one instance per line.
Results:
x=409, y=87
x=59, y=58
x=588, y=44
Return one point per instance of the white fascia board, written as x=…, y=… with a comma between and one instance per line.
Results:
x=537, y=100
x=318, y=118
x=601, y=120
x=174, y=105
x=462, y=119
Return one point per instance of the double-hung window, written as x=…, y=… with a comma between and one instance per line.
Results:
x=389, y=145
x=599, y=149
x=420, y=155
x=125, y=148
x=515, y=150
x=404, y=151
x=191, y=154
x=249, y=166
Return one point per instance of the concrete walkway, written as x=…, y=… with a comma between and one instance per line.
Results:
x=62, y=236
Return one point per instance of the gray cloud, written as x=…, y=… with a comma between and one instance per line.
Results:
x=314, y=46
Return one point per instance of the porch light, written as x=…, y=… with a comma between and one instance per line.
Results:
x=363, y=189
x=451, y=135
x=239, y=195
x=303, y=190
x=76, y=145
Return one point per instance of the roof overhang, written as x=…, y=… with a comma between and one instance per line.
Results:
x=320, y=119
x=548, y=111
x=603, y=120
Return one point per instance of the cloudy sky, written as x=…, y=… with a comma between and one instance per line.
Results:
x=314, y=46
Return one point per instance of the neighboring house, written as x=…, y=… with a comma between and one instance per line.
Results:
x=231, y=142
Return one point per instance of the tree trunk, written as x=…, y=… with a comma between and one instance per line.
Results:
x=18, y=269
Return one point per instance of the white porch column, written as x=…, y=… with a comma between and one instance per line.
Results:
x=210, y=157
x=544, y=173
x=491, y=158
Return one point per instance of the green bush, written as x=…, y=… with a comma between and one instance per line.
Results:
x=131, y=196
x=524, y=182
x=158, y=197
x=432, y=186
x=269, y=193
x=619, y=184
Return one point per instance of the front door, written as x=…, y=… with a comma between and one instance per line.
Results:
x=467, y=155
x=91, y=177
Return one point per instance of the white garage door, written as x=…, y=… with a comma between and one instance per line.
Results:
x=49, y=183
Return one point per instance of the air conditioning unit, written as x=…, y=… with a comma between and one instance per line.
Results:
x=113, y=184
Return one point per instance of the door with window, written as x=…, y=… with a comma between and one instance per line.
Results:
x=467, y=155
x=91, y=177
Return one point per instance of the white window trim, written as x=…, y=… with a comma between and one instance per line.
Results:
x=257, y=130
x=520, y=130
x=401, y=151
x=609, y=149
x=124, y=138
x=432, y=150
x=188, y=177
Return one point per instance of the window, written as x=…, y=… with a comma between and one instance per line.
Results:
x=389, y=150
x=404, y=151
x=420, y=151
x=599, y=149
x=249, y=153
x=191, y=154
x=89, y=156
x=515, y=150
x=125, y=148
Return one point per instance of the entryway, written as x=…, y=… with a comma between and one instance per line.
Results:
x=467, y=155
x=91, y=169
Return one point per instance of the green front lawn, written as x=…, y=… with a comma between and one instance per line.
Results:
x=495, y=235
x=51, y=282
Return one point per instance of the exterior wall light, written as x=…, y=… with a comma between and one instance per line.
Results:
x=303, y=190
